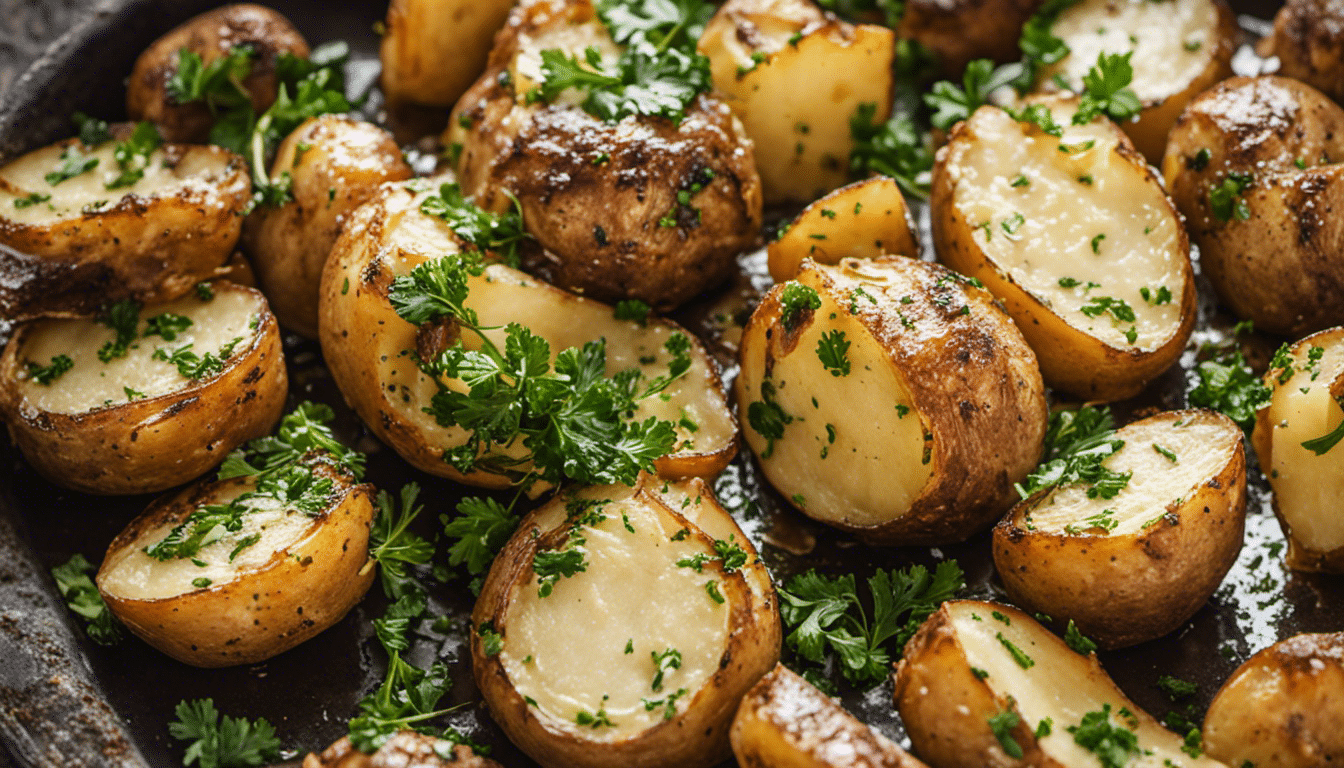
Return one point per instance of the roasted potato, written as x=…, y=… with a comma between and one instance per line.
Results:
x=1135, y=566
x=1293, y=440
x=890, y=398
x=795, y=76
x=84, y=240
x=643, y=208
x=1082, y=245
x=640, y=654
x=162, y=414
x=983, y=684
x=285, y=575
x=1309, y=41
x=784, y=722
x=864, y=220
x=406, y=749
x=1180, y=49
x=1249, y=164
x=1283, y=707
x=370, y=349
x=336, y=165
x=211, y=35
x=957, y=31
x=434, y=49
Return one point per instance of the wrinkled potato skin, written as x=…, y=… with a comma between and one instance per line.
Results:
x=434, y=49
x=1282, y=708
x=1309, y=41
x=957, y=31
x=152, y=444
x=346, y=161
x=210, y=35
x=1282, y=266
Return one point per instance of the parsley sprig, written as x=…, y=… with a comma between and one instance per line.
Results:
x=895, y=148
x=1106, y=90
x=228, y=742
x=1076, y=444
x=83, y=598
x=1226, y=384
x=480, y=229
x=394, y=545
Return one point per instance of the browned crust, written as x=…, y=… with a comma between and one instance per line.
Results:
x=406, y=749
x=1309, y=41
x=956, y=31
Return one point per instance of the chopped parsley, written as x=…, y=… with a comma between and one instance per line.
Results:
x=1322, y=445
x=895, y=148
x=767, y=418
x=1002, y=725
x=633, y=310
x=1113, y=745
x=480, y=229
x=832, y=350
x=132, y=155
x=46, y=374
x=1176, y=688
x=166, y=325
x=1106, y=90
x=663, y=663
x=1225, y=200
x=1023, y=660
x=30, y=200
x=1226, y=384
x=1161, y=296
x=189, y=364
x=83, y=598
x=1076, y=444
x=1166, y=453
x=1076, y=640
x=123, y=317
x=227, y=742
x=72, y=163
x=794, y=299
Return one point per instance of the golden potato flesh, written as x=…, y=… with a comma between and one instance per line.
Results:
x=795, y=76
x=1282, y=708
x=640, y=652
x=1135, y=566
x=87, y=239
x=864, y=220
x=434, y=49
x=162, y=414
x=916, y=430
x=1262, y=149
x=1077, y=237
x=336, y=164
x=1180, y=48
x=1308, y=39
x=784, y=722
x=250, y=594
x=406, y=749
x=1307, y=405
x=975, y=668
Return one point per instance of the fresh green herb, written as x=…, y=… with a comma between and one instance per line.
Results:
x=46, y=374
x=83, y=598
x=712, y=589
x=1096, y=243
x=793, y=300
x=669, y=703
x=91, y=130
x=1162, y=296
x=1104, y=520
x=73, y=163
x=1002, y=724
x=133, y=394
x=1201, y=160
x=1023, y=660
x=123, y=317
x=1322, y=445
x=1044, y=728
x=1076, y=444
x=952, y=104
x=896, y=148
x=1166, y=453
x=1176, y=688
x=633, y=310
x=394, y=546
x=1193, y=744
x=1039, y=45
x=189, y=364
x=1106, y=90
x=663, y=663
x=491, y=641
x=132, y=155
x=205, y=291
x=480, y=229
x=1226, y=384
x=219, y=84
x=30, y=200
x=166, y=325
x=767, y=418
x=1020, y=181
x=1076, y=640
x=832, y=350
x=599, y=720
x=1038, y=115
x=1012, y=225
x=481, y=528
x=1113, y=745
x=1225, y=200
x=227, y=742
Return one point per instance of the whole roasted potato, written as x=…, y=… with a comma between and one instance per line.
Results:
x=622, y=626
x=957, y=31
x=864, y=220
x=1250, y=165
x=1077, y=237
x=434, y=49
x=336, y=165
x=211, y=35
x=1137, y=565
x=88, y=229
x=1282, y=708
x=891, y=398
x=1309, y=41
x=141, y=401
x=406, y=749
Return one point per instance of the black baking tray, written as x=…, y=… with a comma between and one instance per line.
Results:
x=65, y=701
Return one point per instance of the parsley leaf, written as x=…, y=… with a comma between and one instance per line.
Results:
x=767, y=418
x=1002, y=725
x=1113, y=745
x=222, y=743
x=1176, y=688
x=633, y=310
x=1076, y=640
x=166, y=325
x=132, y=155
x=189, y=364
x=1038, y=43
x=832, y=350
x=1076, y=444
x=794, y=300
x=1226, y=384
x=72, y=163
x=394, y=546
x=46, y=374
x=91, y=130
x=952, y=104
x=1038, y=115
x=219, y=84
x=123, y=317
x=481, y=528
x=1322, y=445
x=1224, y=199
x=1106, y=90
x=895, y=148
x=83, y=598
x=481, y=229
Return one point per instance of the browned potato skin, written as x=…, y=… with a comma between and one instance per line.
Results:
x=784, y=722
x=406, y=749
x=342, y=168
x=1281, y=267
x=303, y=590
x=211, y=35
x=1282, y=708
x=957, y=31
x=155, y=443
x=1309, y=41
x=1143, y=586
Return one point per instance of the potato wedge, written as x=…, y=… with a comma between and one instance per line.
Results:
x=864, y=220
x=341, y=164
x=784, y=722
x=1250, y=165
x=433, y=50
x=1077, y=237
x=1136, y=566
x=795, y=76
x=916, y=429
x=211, y=36
x=640, y=654
x=1282, y=708
x=1309, y=41
x=968, y=674
x=250, y=594
x=406, y=749
x=84, y=241
x=162, y=414
x=1180, y=49
x=957, y=31
x=371, y=350
x=1307, y=405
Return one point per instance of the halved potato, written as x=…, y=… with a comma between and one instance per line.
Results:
x=1309, y=41
x=1282, y=708
x=1180, y=48
x=975, y=662
x=1136, y=566
x=336, y=164
x=864, y=220
x=406, y=749
x=1307, y=404
x=141, y=422
x=915, y=431
x=372, y=352
x=83, y=242
x=794, y=76
x=957, y=31
x=1077, y=237
x=250, y=594
x=434, y=49
x=640, y=652
x=1265, y=150
x=784, y=722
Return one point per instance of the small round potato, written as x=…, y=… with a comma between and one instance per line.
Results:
x=165, y=412
x=1283, y=707
x=1309, y=41
x=249, y=594
x=406, y=749
x=434, y=49
x=211, y=36
x=336, y=164
x=957, y=31
x=1136, y=566
x=864, y=220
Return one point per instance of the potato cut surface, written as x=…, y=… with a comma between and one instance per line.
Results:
x=572, y=40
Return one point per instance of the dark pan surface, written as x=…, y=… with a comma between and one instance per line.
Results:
x=53, y=684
